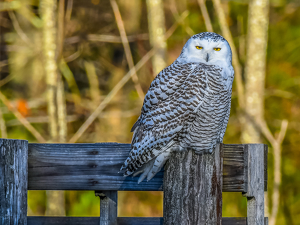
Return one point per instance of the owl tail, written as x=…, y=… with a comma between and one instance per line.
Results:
x=154, y=166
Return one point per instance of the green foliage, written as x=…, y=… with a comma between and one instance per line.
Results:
x=82, y=203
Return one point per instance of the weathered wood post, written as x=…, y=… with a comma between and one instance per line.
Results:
x=255, y=188
x=193, y=188
x=108, y=207
x=13, y=181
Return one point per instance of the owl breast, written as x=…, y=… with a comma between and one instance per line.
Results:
x=206, y=129
x=186, y=107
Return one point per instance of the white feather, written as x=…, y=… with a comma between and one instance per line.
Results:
x=187, y=106
x=159, y=163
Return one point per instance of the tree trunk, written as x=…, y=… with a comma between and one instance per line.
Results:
x=193, y=188
x=55, y=199
x=156, y=23
x=255, y=68
x=2, y=126
x=48, y=8
x=61, y=111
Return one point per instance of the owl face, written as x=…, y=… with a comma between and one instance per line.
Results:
x=209, y=48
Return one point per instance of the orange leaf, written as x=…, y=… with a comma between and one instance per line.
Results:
x=23, y=107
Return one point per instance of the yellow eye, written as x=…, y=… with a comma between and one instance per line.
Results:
x=199, y=47
x=217, y=49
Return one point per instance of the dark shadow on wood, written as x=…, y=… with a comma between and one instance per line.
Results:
x=43, y=220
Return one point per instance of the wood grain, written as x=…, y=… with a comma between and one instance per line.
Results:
x=43, y=220
x=83, y=167
x=193, y=188
x=233, y=168
x=265, y=167
x=13, y=181
x=96, y=167
x=255, y=189
x=108, y=207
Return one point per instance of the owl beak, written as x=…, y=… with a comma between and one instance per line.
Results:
x=207, y=57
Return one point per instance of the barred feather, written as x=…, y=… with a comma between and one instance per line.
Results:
x=186, y=107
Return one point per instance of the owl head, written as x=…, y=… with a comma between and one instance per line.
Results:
x=207, y=47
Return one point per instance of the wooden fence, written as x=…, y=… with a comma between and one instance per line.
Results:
x=26, y=166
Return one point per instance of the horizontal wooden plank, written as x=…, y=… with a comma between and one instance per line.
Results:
x=96, y=167
x=234, y=179
x=83, y=167
x=43, y=220
x=47, y=220
x=238, y=221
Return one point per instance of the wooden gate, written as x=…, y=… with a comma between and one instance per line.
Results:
x=95, y=167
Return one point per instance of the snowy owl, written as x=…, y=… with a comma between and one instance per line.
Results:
x=186, y=107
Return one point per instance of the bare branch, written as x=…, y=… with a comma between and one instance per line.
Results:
x=40, y=119
x=6, y=79
x=74, y=56
x=116, y=39
x=17, y=27
x=171, y=30
x=279, y=93
x=205, y=15
x=283, y=129
x=108, y=98
x=68, y=75
x=262, y=125
x=178, y=19
x=60, y=29
x=3, y=63
x=94, y=83
x=48, y=9
x=22, y=119
x=11, y=5
x=127, y=48
x=69, y=10
x=106, y=38
x=276, y=183
x=2, y=126
x=121, y=83
x=75, y=117
x=60, y=93
x=157, y=30
x=277, y=149
x=61, y=112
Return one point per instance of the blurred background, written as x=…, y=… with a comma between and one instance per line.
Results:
x=77, y=71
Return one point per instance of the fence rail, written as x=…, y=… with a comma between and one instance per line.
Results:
x=95, y=167
x=38, y=220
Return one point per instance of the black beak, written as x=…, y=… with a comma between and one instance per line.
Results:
x=207, y=57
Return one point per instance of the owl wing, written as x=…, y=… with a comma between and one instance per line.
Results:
x=170, y=103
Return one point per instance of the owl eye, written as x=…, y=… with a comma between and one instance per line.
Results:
x=199, y=47
x=217, y=49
